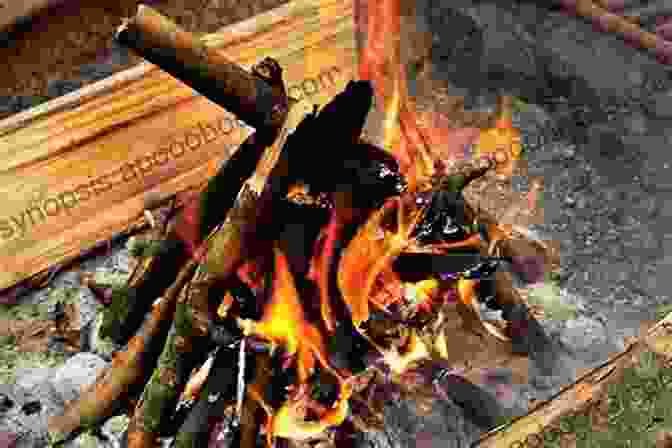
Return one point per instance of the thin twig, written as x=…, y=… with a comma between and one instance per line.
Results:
x=240, y=393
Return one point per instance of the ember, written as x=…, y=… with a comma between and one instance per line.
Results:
x=291, y=277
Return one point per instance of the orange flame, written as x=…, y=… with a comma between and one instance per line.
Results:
x=283, y=323
x=320, y=264
x=415, y=350
x=503, y=141
x=289, y=421
x=371, y=253
x=422, y=293
x=380, y=62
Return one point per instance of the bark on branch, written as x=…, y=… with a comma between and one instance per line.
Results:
x=248, y=96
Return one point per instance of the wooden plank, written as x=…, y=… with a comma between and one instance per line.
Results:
x=74, y=171
x=590, y=385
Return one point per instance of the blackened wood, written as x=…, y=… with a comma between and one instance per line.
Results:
x=323, y=142
x=220, y=193
x=478, y=405
x=219, y=389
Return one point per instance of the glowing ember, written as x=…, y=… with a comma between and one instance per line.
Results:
x=297, y=190
x=251, y=273
x=225, y=305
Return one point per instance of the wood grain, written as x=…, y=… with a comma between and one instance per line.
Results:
x=74, y=171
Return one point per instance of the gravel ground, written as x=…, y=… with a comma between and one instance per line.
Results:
x=607, y=197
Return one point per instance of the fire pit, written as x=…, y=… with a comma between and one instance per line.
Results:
x=308, y=285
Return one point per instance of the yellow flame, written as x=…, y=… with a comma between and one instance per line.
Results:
x=288, y=422
x=421, y=291
x=391, y=130
x=283, y=322
x=367, y=256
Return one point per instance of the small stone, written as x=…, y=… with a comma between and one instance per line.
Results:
x=31, y=378
x=583, y=332
x=78, y=372
x=569, y=152
x=661, y=105
x=32, y=407
x=6, y=403
x=636, y=124
x=636, y=77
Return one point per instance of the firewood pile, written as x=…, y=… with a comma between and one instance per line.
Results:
x=310, y=278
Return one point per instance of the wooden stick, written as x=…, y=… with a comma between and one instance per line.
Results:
x=228, y=244
x=101, y=399
x=616, y=24
x=183, y=55
x=224, y=250
x=585, y=389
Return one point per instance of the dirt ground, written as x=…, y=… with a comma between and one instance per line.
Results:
x=59, y=40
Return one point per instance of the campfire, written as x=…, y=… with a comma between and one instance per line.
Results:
x=315, y=267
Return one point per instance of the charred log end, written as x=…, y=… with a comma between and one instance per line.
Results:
x=479, y=406
x=529, y=338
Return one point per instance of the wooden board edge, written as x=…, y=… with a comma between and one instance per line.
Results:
x=588, y=386
x=223, y=36
x=227, y=35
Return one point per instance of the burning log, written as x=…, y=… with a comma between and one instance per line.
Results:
x=275, y=310
x=226, y=247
